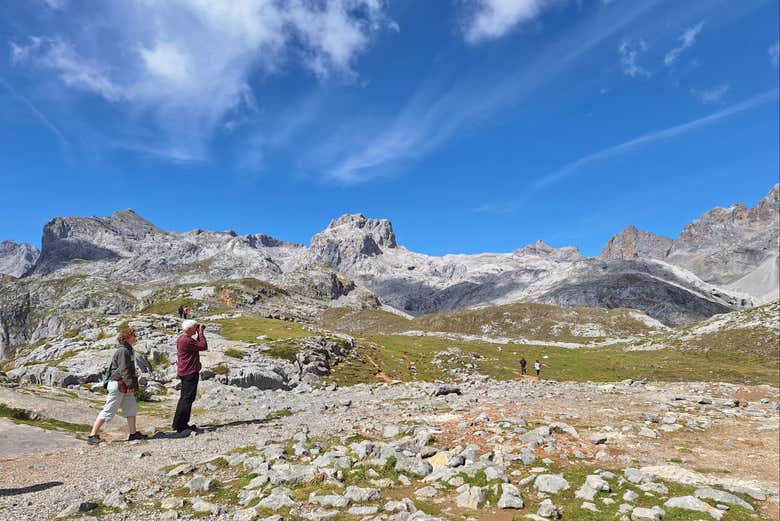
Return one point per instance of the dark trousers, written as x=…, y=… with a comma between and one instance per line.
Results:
x=189, y=390
x=522, y=369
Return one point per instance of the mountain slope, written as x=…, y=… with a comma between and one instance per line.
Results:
x=735, y=248
x=420, y=284
x=16, y=259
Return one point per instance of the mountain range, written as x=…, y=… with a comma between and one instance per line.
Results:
x=724, y=261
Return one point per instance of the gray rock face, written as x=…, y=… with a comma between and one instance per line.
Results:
x=726, y=244
x=366, y=251
x=650, y=286
x=735, y=248
x=351, y=238
x=43, y=375
x=17, y=258
x=632, y=243
x=127, y=247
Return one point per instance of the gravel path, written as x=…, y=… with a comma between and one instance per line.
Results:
x=487, y=414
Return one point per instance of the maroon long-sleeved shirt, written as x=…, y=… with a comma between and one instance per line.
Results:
x=188, y=354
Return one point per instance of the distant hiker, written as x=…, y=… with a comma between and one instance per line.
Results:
x=185, y=312
x=538, y=367
x=121, y=383
x=181, y=311
x=188, y=369
x=523, y=363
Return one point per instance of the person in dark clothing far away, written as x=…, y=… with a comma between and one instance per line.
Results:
x=188, y=369
x=181, y=311
x=122, y=384
x=186, y=312
x=523, y=363
x=538, y=367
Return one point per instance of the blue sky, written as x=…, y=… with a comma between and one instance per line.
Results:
x=474, y=125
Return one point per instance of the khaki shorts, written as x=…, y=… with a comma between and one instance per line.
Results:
x=116, y=401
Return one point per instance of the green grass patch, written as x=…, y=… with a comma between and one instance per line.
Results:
x=72, y=333
x=249, y=450
x=23, y=417
x=171, y=307
x=235, y=352
x=286, y=349
x=526, y=320
x=408, y=358
x=221, y=369
x=161, y=361
x=278, y=414
x=247, y=329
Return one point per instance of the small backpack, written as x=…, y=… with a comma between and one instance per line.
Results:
x=108, y=374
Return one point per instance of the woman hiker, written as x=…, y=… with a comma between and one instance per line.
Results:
x=121, y=388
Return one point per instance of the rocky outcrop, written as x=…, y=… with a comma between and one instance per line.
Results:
x=43, y=375
x=350, y=238
x=128, y=248
x=632, y=243
x=727, y=244
x=17, y=258
x=542, y=249
x=735, y=248
x=32, y=309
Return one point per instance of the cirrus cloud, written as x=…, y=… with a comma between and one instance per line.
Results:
x=491, y=19
x=184, y=67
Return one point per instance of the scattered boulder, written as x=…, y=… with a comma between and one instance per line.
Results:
x=550, y=483
x=548, y=510
x=694, y=504
x=722, y=497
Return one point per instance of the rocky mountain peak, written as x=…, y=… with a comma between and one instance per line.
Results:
x=380, y=230
x=93, y=238
x=633, y=243
x=727, y=244
x=542, y=249
x=767, y=208
x=17, y=258
x=352, y=237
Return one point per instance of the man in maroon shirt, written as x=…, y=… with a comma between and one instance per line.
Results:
x=188, y=369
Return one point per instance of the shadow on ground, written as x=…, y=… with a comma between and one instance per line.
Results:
x=206, y=428
x=5, y=492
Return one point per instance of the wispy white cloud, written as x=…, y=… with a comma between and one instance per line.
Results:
x=655, y=136
x=56, y=4
x=687, y=39
x=629, y=58
x=183, y=66
x=491, y=19
x=441, y=107
x=774, y=53
x=40, y=116
x=711, y=95
x=73, y=70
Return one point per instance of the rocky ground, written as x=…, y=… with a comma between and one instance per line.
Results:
x=481, y=449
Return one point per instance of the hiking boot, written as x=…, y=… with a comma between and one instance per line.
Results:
x=94, y=439
x=137, y=436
